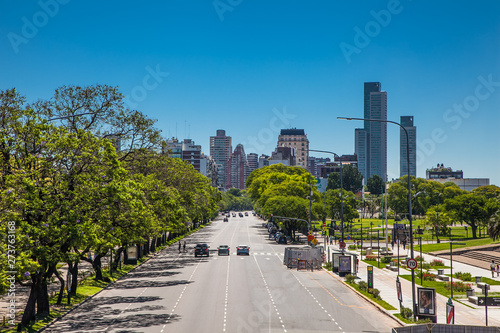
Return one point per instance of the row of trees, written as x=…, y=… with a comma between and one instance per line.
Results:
x=67, y=190
x=285, y=191
x=291, y=192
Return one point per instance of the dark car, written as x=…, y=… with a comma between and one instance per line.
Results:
x=201, y=250
x=246, y=213
x=226, y=219
x=240, y=214
x=223, y=249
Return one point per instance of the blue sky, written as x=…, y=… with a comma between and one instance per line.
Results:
x=253, y=67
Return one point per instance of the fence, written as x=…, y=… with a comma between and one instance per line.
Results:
x=442, y=328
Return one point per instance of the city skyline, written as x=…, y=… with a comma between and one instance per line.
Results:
x=260, y=67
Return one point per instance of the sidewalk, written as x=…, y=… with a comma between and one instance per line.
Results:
x=469, y=314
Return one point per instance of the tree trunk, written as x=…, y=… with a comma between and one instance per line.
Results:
x=42, y=301
x=30, y=309
x=474, y=230
x=153, y=244
x=73, y=269
x=96, y=265
x=61, y=289
x=117, y=257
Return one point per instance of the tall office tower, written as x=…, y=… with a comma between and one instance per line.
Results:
x=220, y=150
x=253, y=162
x=239, y=168
x=296, y=138
x=371, y=141
x=407, y=123
x=263, y=161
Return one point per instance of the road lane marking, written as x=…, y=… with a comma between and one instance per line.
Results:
x=182, y=293
x=317, y=302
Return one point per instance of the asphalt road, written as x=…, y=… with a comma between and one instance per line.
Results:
x=180, y=293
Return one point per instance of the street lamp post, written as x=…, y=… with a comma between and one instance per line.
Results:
x=341, y=189
x=409, y=199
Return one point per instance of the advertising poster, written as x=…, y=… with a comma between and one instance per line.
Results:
x=345, y=264
x=426, y=301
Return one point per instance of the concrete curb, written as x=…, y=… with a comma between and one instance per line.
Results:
x=380, y=308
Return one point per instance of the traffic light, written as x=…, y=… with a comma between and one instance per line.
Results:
x=271, y=219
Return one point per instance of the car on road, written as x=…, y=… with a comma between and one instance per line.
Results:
x=240, y=214
x=223, y=249
x=201, y=249
x=243, y=249
x=246, y=213
x=234, y=214
x=226, y=219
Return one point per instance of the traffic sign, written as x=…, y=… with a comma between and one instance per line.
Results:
x=342, y=245
x=314, y=241
x=411, y=263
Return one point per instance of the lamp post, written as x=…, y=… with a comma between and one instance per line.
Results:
x=409, y=200
x=341, y=189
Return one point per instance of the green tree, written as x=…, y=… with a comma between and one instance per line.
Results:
x=375, y=185
x=469, y=208
x=352, y=179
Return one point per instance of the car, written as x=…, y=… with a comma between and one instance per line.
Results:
x=226, y=219
x=234, y=214
x=201, y=249
x=243, y=249
x=246, y=213
x=240, y=214
x=223, y=249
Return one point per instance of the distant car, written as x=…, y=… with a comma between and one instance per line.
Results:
x=246, y=213
x=234, y=214
x=226, y=219
x=281, y=239
x=201, y=250
x=240, y=214
x=223, y=249
x=243, y=249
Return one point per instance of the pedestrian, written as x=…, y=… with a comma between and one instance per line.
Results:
x=392, y=244
x=498, y=270
x=179, y=246
x=404, y=244
x=492, y=268
x=331, y=240
x=184, y=247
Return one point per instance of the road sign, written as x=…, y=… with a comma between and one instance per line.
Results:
x=398, y=288
x=348, y=237
x=314, y=241
x=310, y=238
x=450, y=312
x=411, y=263
x=342, y=245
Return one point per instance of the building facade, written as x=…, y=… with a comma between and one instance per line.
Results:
x=371, y=140
x=221, y=150
x=186, y=150
x=284, y=155
x=407, y=123
x=239, y=168
x=253, y=162
x=442, y=172
x=208, y=168
x=296, y=138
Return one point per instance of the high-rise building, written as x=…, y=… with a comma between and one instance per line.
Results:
x=186, y=150
x=371, y=141
x=220, y=150
x=263, y=161
x=253, y=162
x=407, y=123
x=239, y=168
x=284, y=155
x=208, y=168
x=296, y=138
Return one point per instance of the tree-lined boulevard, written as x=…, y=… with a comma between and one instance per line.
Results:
x=175, y=292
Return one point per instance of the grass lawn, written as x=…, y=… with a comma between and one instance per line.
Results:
x=374, y=263
x=438, y=285
x=491, y=281
x=446, y=246
x=380, y=302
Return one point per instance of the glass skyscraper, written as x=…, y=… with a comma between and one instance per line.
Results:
x=371, y=141
x=407, y=123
